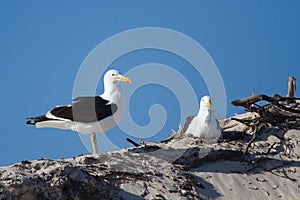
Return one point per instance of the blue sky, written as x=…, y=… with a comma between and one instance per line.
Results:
x=43, y=43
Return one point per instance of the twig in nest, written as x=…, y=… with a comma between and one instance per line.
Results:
x=243, y=121
x=252, y=139
x=132, y=142
x=167, y=140
x=170, y=138
x=271, y=147
x=136, y=144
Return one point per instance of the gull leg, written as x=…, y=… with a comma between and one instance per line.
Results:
x=94, y=143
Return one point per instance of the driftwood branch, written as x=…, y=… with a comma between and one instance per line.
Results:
x=276, y=111
x=249, y=101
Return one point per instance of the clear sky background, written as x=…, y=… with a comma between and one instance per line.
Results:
x=43, y=43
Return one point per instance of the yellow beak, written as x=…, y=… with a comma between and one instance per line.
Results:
x=124, y=79
x=209, y=103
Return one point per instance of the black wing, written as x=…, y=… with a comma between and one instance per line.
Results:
x=34, y=120
x=86, y=109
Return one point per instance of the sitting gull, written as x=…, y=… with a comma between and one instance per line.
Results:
x=89, y=115
x=205, y=125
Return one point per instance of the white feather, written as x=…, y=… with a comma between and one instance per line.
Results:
x=205, y=125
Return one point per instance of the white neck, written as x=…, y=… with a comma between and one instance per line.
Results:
x=112, y=92
x=206, y=114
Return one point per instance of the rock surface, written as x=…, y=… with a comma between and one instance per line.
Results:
x=182, y=168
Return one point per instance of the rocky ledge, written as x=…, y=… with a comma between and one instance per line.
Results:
x=183, y=167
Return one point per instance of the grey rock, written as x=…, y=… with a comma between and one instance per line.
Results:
x=181, y=168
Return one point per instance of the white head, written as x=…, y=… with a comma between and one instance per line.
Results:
x=113, y=77
x=205, y=102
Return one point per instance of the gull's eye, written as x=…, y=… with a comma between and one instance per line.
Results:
x=113, y=74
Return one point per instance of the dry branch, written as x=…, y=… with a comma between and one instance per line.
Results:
x=132, y=142
x=291, y=86
x=276, y=111
x=248, y=102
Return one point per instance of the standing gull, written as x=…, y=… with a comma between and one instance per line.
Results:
x=89, y=115
x=205, y=125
